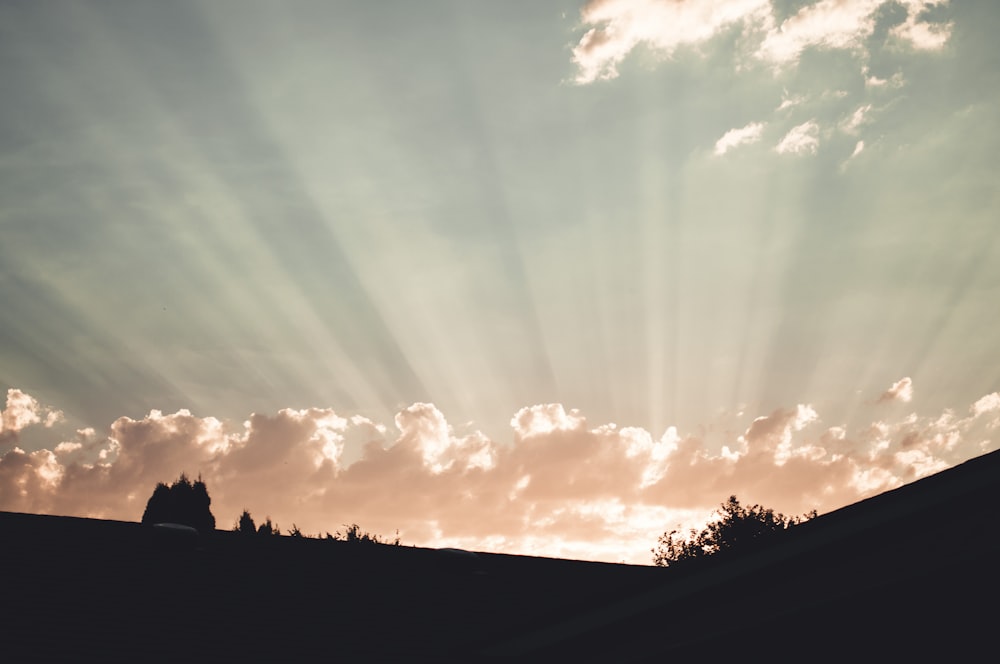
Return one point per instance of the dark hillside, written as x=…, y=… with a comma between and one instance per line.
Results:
x=911, y=573
x=93, y=588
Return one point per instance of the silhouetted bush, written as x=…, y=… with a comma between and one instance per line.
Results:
x=734, y=526
x=182, y=502
x=352, y=533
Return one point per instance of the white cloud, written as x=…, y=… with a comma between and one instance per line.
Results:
x=751, y=133
x=873, y=81
x=790, y=101
x=901, y=390
x=832, y=24
x=559, y=487
x=617, y=27
x=545, y=418
x=859, y=147
x=801, y=139
x=988, y=404
x=920, y=34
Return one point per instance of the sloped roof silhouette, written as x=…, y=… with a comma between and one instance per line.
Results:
x=909, y=573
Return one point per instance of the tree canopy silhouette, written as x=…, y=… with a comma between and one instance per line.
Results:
x=735, y=525
x=182, y=502
x=245, y=526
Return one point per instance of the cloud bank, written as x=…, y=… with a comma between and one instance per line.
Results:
x=561, y=487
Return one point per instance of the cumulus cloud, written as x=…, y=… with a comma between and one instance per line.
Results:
x=901, y=390
x=561, y=486
x=751, y=133
x=801, y=139
x=23, y=410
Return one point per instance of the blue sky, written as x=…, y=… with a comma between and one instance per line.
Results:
x=650, y=214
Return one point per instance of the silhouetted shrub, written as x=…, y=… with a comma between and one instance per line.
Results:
x=182, y=502
x=734, y=526
x=352, y=533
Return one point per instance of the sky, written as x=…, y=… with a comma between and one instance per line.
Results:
x=545, y=278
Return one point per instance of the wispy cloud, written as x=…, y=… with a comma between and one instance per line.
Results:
x=560, y=486
x=853, y=122
x=751, y=133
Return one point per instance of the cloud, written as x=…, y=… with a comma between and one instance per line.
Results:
x=751, y=133
x=801, y=139
x=617, y=27
x=863, y=30
x=561, y=486
x=893, y=82
x=23, y=410
x=853, y=122
x=921, y=34
x=790, y=101
x=988, y=404
x=901, y=390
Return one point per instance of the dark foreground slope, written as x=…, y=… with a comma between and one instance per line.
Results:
x=911, y=573
x=81, y=589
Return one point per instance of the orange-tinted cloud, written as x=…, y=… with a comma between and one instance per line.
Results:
x=560, y=487
x=23, y=410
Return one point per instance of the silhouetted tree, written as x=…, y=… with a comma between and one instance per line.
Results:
x=245, y=526
x=267, y=528
x=158, y=508
x=182, y=502
x=734, y=526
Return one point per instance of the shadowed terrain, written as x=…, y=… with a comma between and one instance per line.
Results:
x=909, y=573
